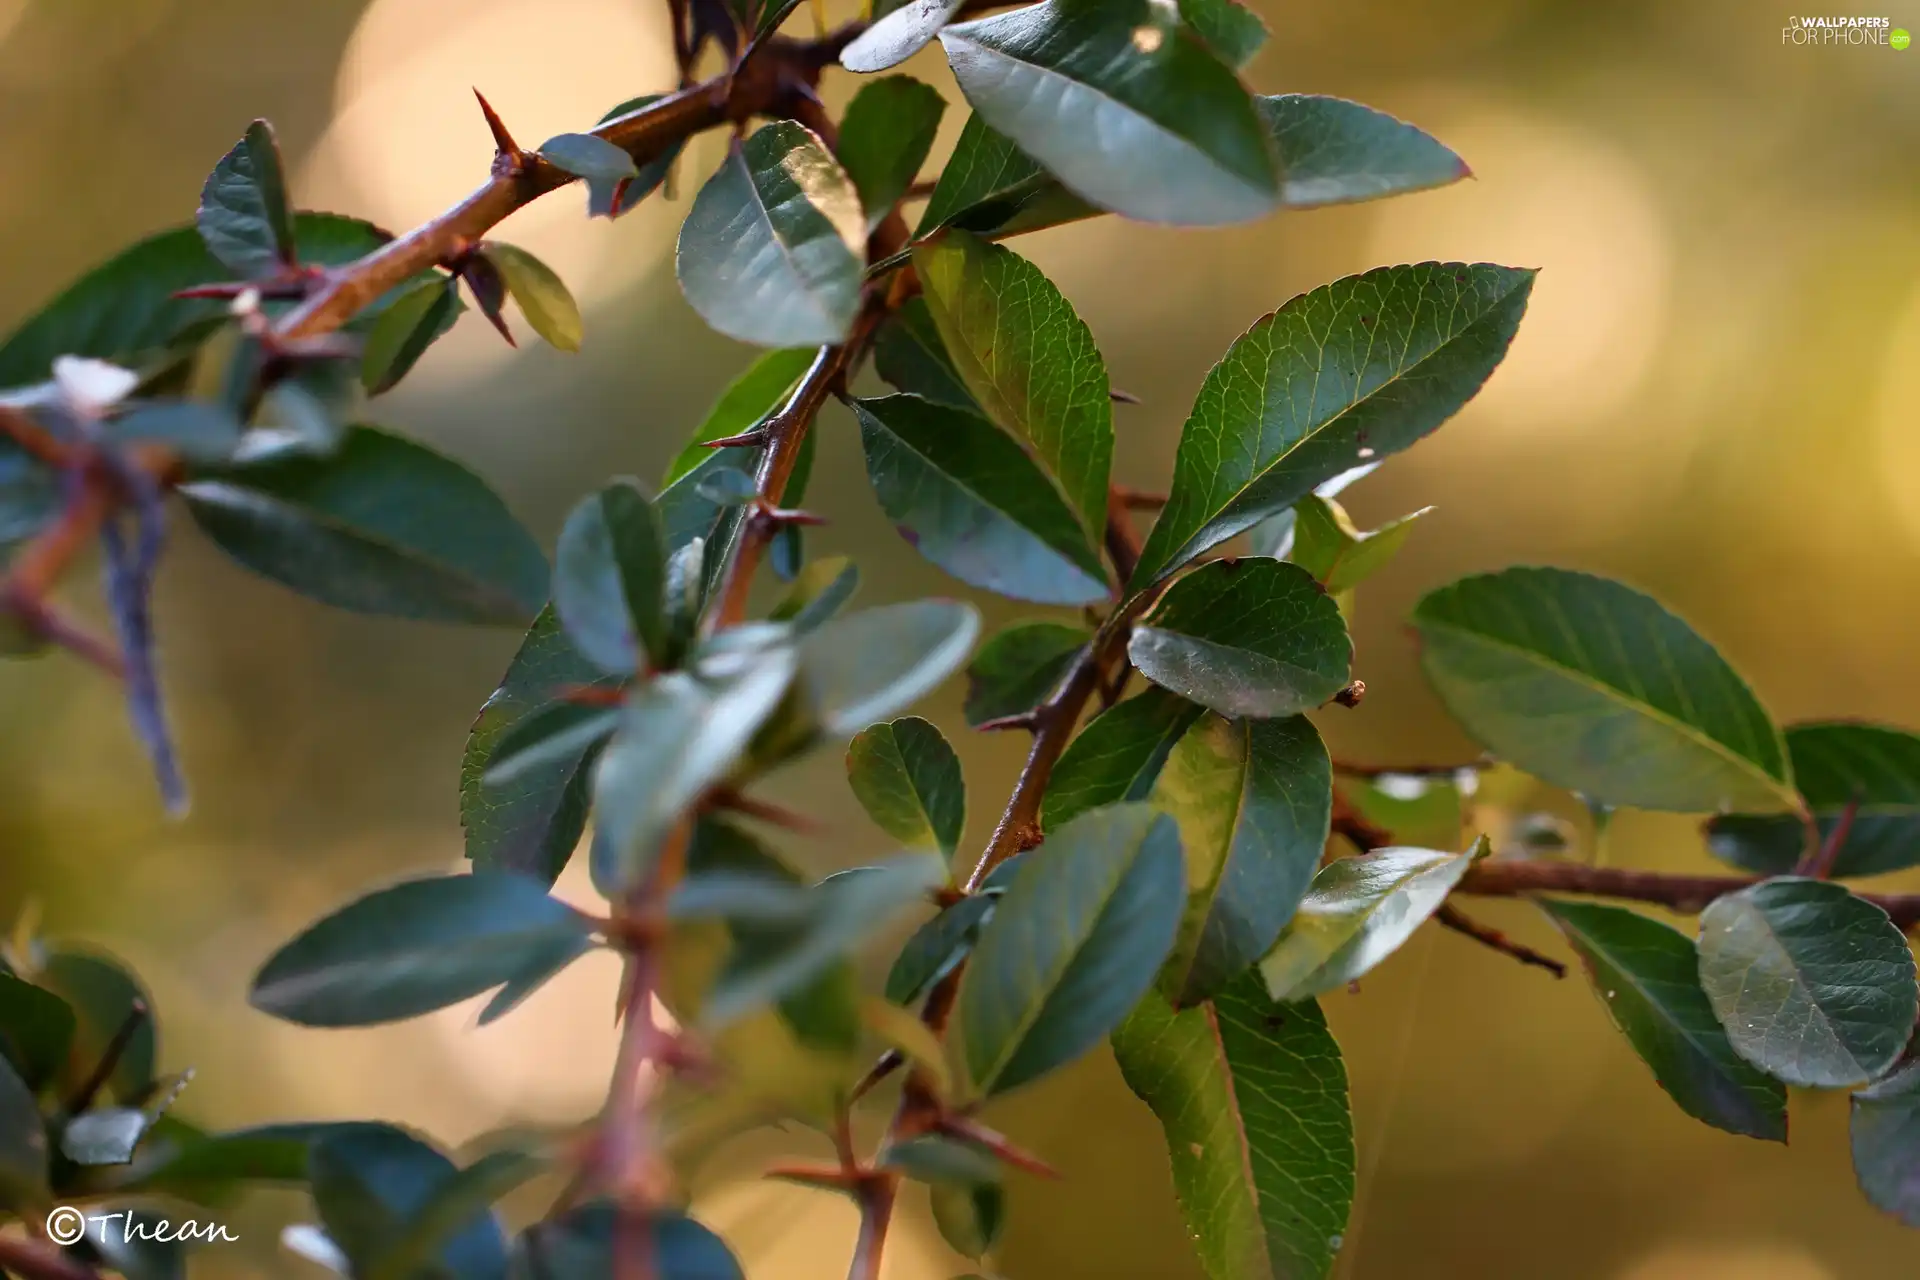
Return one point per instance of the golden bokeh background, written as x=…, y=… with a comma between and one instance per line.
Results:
x=1709, y=398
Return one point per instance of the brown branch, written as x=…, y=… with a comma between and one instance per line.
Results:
x=876, y=1195
x=38, y=1260
x=1511, y=877
x=1460, y=922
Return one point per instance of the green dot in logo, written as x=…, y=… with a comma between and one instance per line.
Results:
x=1899, y=38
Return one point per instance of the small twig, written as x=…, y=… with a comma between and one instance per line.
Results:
x=1509, y=877
x=1139, y=499
x=1458, y=921
x=733, y=801
x=876, y=1196
x=1819, y=863
x=116, y=1049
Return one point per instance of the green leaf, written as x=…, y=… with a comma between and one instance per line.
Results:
x=243, y=215
x=936, y=949
x=1254, y=800
x=559, y=731
x=1253, y=1098
x=1593, y=686
x=1118, y=756
x=417, y=319
x=992, y=187
x=415, y=947
x=585, y=156
x=910, y=355
x=455, y=1205
x=773, y=251
x=746, y=402
x=581, y=1243
x=1647, y=975
x=533, y=825
x=1886, y=1143
x=1072, y=946
x=938, y=1160
x=817, y=594
x=897, y=36
x=540, y=294
x=1353, y=371
x=36, y=1031
x=1016, y=670
x=1427, y=810
x=885, y=136
x=971, y=500
x=1273, y=536
x=106, y=1000
x=1246, y=638
x=371, y=1183
x=1230, y=30
x=612, y=199
x=1339, y=556
x=907, y=778
x=970, y=1219
x=609, y=579
x=1333, y=151
x=23, y=1143
x=384, y=526
x=1813, y=985
x=870, y=665
x=1837, y=765
x=1358, y=912
x=1128, y=107
x=679, y=735
x=1029, y=361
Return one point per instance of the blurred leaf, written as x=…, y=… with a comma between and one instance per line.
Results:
x=817, y=594
x=1813, y=985
x=922, y=1048
x=970, y=1219
x=1029, y=361
x=1333, y=151
x=773, y=251
x=23, y=1143
x=729, y=488
x=1072, y=946
x=197, y=430
x=911, y=356
x=1338, y=555
x=1886, y=1143
x=579, y=1245
x=36, y=1031
x=936, y=949
x=585, y=156
x=746, y=402
x=1592, y=686
x=455, y=1206
x=1127, y=106
x=1017, y=669
x=541, y=295
x=1273, y=536
x=972, y=501
x=415, y=947
x=991, y=187
x=609, y=579
x=907, y=778
x=1253, y=800
x=1233, y=32
x=1422, y=810
x=1251, y=637
x=1253, y=1098
x=202, y=1169
x=898, y=35
x=560, y=732
x=105, y=998
x=303, y=420
x=1835, y=765
x=383, y=526
x=417, y=319
x=533, y=825
x=371, y=1182
x=105, y=1136
x=678, y=736
x=870, y=665
x=601, y=201
x=243, y=214
x=1355, y=370
x=885, y=136
x=1358, y=912
x=1648, y=977
x=1118, y=756
x=939, y=1160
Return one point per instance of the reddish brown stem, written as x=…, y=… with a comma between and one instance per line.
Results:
x=1819, y=864
x=876, y=1197
x=1509, y=877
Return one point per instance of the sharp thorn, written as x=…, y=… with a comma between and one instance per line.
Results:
x=503, y=143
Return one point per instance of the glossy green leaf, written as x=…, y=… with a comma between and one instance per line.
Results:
x=679, y=735
x=773, y=251
x=1355, y=370
x=585, y=156
x=972, y=501
x=612, y=199
x=244, y=217
x=541, y=295
x=936, y=949
x=907, y=778
x=970, y=1219
x=1338, y=555
x=1253, y=799
x=1813, y=985
x=870, y=665
x=385, y=526
x=1335, y=152
x=371, y=1183
x=1234, y=32
x=1017, y=669
x=1872, y=768
x=885, y=136
x=23, y=1142
x=1118, y=756
x=1886, y=1143
x=991, y=187
x=416, y=320
x=1028, y=360
x=582, y=1243
x=36, y=1031
x=1593, y=686
x=1128, y=106
x=106, y=999
x=1253, y=1098
x=1647, y=974
x=1072, y=946
x=912, y=357
x=898, y=35
x=609, y=579
x=1358, y=912
x=415, y=947
x=532, y=825
x=817, y=594
x=1251, y=637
